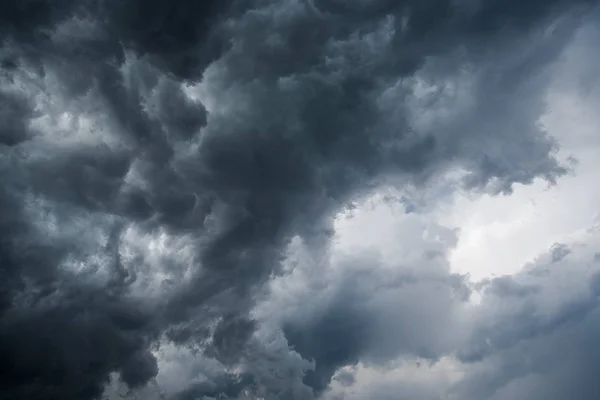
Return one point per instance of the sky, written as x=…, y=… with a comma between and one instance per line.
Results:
x=299, y=200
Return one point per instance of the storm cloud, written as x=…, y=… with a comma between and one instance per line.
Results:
x=172, y=174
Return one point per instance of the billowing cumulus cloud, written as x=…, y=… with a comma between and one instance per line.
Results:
x=174, y=177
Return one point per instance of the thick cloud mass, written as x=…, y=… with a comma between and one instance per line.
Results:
x=165, y=165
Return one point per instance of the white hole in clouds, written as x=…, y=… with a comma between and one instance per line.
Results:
x=497, y=235
x=500, y=234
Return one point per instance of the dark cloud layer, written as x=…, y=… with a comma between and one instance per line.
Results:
x=156, y=159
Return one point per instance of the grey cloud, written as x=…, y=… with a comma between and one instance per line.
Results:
x=345, y=378
x=228, y=386
x=230, y=337
x=539, y=343
x=372, y=311
x=532, y=335
x=559, y=252
x=302, y=122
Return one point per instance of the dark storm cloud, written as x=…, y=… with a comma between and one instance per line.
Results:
x=15, y=112
x=302, y=122
x=336, y=338
x=180, y=36
x=24, y=20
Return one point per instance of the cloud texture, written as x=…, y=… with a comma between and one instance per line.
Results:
x=172, y=175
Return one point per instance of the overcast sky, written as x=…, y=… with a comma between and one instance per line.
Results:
x=299, y=199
